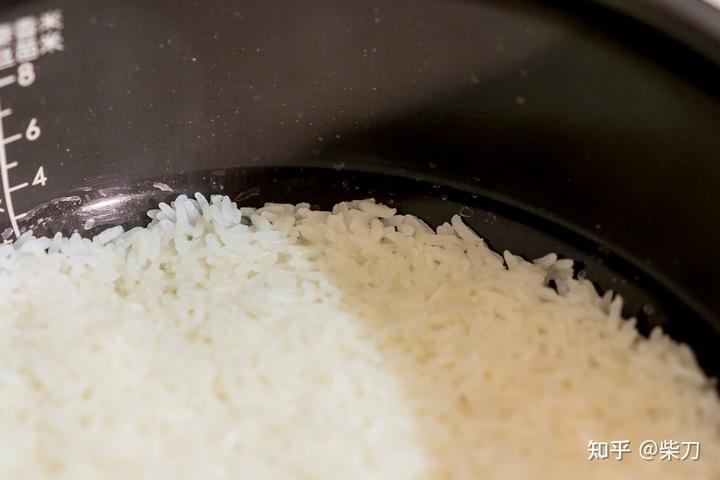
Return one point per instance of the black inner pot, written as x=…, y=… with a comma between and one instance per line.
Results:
x=554, y=127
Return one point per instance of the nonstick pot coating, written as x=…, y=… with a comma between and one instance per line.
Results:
x=108, y=203
x=563, y=126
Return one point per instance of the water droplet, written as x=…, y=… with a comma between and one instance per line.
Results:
x=432, y=165
x=339, y=166
x=598, y=226
x=520, y=101
x=648, y=308
x=466, y=212
x=436, y=186
x=582, y=275
x=490, y=218
x=443, y=197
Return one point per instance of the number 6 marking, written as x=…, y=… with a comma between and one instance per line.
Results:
x=33, y=131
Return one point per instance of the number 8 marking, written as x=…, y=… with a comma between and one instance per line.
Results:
x=25, y=74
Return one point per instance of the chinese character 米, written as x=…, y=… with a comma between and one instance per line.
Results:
x=51, y=20
x=51, y=42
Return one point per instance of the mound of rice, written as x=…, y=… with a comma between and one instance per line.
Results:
x=286, y=343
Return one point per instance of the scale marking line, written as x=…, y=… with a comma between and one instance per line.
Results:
x=18, y=187
x=12, y=138
x=11, y=165
x=6, y=182
x=7, y=80
x=5, y=113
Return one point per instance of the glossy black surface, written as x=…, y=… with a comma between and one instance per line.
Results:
x=598, y=135
x=109, y=202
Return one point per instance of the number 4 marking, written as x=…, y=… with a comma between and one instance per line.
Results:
x=40, y=178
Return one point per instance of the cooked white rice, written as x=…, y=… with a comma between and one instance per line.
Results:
x=287, y=343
